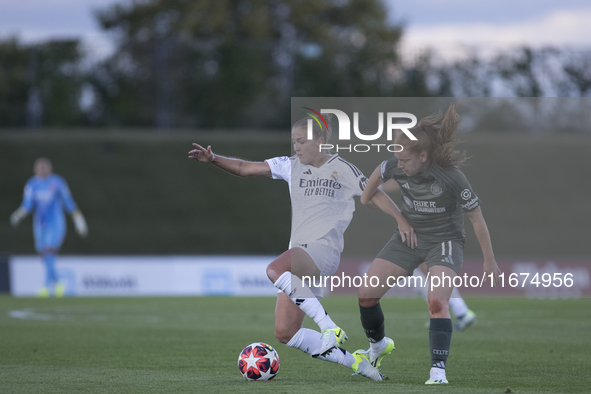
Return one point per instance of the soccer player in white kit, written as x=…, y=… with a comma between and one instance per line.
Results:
x=322, y=188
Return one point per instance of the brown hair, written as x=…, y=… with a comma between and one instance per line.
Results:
x=435, y=135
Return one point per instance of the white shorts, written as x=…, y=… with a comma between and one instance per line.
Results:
x=326, y=257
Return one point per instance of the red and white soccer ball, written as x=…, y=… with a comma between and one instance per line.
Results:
x=258, y=361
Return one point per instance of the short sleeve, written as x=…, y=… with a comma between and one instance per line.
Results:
x=359, y=183
x=280, y=167
x=388, y=167
x=355, y=180
x=464, y=194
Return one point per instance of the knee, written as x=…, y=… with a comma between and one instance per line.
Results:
x=438, y=308
x=271, y=274
x=368, y=302
x=283, y=335
x=366, y=298
x=275, y=270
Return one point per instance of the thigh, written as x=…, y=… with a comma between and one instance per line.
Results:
x=398, y=253
x=325, y=256
x=288, y=317
x=48, y=237
x=441, y=282
x=313, y=262
x=447, y=254
x=294, y=260
x=386, y=273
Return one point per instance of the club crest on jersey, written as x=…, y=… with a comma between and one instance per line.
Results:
x=334, y=176
x=436, y=189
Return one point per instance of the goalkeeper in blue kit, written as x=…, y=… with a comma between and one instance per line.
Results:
x=47, y=194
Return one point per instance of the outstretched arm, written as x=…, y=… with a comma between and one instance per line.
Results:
x=26, y=206
x=17, y=216
x=374, y=197
x=233, y=166
x=483, y=236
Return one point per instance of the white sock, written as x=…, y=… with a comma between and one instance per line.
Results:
x=457, y=304
x=283, y=283
x=308, y=341
x=305, y=300
x=438, y=372
x=378, y=347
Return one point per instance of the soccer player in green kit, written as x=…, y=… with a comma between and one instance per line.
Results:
x=436, y=195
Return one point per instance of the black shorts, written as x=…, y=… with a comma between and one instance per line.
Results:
x=449, y=253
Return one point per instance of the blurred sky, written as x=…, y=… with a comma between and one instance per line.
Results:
x=443, y=24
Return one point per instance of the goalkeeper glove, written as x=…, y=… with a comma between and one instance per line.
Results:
x=17, y=216
x=80, y=223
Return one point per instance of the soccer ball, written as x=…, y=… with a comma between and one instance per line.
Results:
x=258, y=361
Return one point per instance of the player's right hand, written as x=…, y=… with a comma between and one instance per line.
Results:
x=201, y=154
x=407, y=233
x=17, y=216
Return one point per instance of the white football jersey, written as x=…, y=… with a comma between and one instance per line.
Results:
x=321, y=198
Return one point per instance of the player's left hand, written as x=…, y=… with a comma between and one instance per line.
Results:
x=80, y=223
x=491, y=267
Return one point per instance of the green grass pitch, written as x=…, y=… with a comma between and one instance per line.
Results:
x=191, y=345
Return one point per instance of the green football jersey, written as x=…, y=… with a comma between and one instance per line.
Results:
x=433, y=202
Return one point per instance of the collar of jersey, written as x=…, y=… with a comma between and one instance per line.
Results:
x=425, y=174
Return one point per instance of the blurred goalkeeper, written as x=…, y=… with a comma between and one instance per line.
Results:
x=47, y=194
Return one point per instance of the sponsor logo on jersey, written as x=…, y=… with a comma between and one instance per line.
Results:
x=436, y=189
x=466, y=194
x=320, y=186
x=309, y=172
x=473, y=203
x=44, y=195
x=427, y=207
x=284, y=158
x=331, y=183
x=406, y=185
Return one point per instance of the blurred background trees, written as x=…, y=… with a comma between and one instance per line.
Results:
x=41, y=84
x=236, y=63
